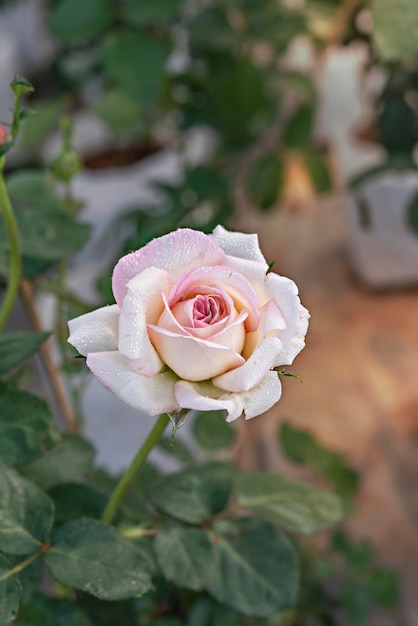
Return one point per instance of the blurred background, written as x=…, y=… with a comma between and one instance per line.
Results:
x=295, y=119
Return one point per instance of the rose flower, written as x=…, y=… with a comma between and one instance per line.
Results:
x=199, y=323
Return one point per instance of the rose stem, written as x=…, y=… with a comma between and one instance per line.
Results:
x=137, y=463
x=15, y=256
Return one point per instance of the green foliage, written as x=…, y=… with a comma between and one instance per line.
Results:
x=46, y=610
x=212, y=431
x=205, y=612
x=75, y=21
x=10, y=594
x=237, y=95
x=92, y=556
x=37, y=127
x=395, y=27
x=299, y=128
x=118, y=111
x=318, y=169
x=266, y=181
x=301, y=447
x=48, y=232
x=75, y=500
x=26, y=426
x=68, y=460
x=365, y=584
x=148, y=12
x=412, y=214
x=255, y=570
x=185, y=556
x=17, y=346
x=194, y=494
x=26, y=514
x=175, y=448
x=298, y=507
x=397, y=127
x=142, y=80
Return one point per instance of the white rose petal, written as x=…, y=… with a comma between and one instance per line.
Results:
x=251, y=373
x=206, y=397
x=142, y=305
x=153, y=395
x=96, y=331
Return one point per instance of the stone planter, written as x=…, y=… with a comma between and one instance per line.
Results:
x=381, y=214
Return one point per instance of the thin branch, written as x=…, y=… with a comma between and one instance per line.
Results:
x=57, y=384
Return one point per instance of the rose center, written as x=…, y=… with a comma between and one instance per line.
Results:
x=208, y=310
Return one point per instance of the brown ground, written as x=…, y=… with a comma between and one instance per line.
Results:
x=360, y=381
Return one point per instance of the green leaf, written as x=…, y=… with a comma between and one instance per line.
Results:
x=210, y=31
x=91, y=556
x=70, y=458
x=357, y=601
x=184, y=556
x=384, y=587
x=167, y=622
x=412, y=215
x=74, y=500
x=155, y=11
x=135, y=506
x=206, y=612
x=26, y=426
x=395, y=28
x=397, y=127
x=255, y=571
x=75, y=21
x=26, y=514
x=135, y=61
x=317, y=167
x=36, y=128
x=10, y=594
x=298, y=507
x=265, y=181
x=299, y=128
x=398, y=162
x=17, y=346
x=212, y=431
x=301, y=447
x=176, y=448
x=117, y=111
x=47, y=232
x=50, y=611
x=299, y=83
x=237, y=94
x=103, y=613
x=195, y=494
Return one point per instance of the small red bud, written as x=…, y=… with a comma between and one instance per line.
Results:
x=3, y=135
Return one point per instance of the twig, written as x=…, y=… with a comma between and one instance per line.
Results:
x=51, y=368
x=342, y=20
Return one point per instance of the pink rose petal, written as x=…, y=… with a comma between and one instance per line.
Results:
x=176, y=253
x=142, y=304
x=192, y=358
x=236, y=286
